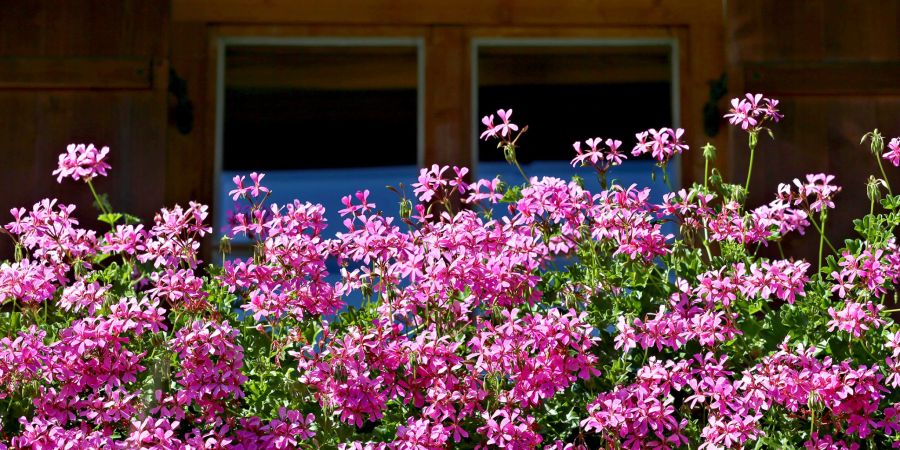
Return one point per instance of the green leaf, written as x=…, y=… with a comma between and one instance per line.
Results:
x=891, y=202
x=110, y=218
x=512, y=195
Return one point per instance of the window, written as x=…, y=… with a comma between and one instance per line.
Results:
x=321, y=117
x=569, y=90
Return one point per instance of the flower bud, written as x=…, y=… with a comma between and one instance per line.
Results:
x=509, y=152
x=405, y=208
x=709, y=152
x=225, y=245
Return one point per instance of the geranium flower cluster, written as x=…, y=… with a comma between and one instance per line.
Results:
x=596, y=156
x=82, y=162
x=484, y=315
x=751, y=112
x=662, y=145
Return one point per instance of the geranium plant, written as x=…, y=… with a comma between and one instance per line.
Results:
x=484, y=315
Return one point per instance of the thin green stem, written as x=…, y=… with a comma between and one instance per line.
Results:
x=812, y=422
x=97, y=197
x=824, y=217
x=516, y=163
x=822, y=234
x=884, y=175
x=665, y=173
x=752, y=138
x=705, y=173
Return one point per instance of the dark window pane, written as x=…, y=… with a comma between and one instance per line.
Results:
x=566, y=94
x=296, y=107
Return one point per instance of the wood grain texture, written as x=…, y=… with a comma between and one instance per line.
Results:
x=447, y=100
x=70, y=75
x=858, y=78
x=458, y=12
x=74, y=73
x=836, y=70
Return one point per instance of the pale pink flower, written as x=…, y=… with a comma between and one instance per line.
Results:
x=507, y=127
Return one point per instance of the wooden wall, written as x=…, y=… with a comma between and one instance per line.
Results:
x=97, y=71
x=835, y=66
x=85, y=71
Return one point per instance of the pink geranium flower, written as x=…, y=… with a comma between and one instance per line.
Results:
x=82, y=162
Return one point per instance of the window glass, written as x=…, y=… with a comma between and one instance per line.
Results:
x=321, y=121
x=568, y=93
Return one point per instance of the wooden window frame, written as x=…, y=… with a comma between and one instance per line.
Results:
x=696, y=27
x=223, y=41
x=573, y=41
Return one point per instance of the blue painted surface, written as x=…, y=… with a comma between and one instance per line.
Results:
x=327, y=186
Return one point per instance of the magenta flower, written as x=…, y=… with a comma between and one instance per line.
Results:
x=491, y=129
x=352, y=209
x=662, y=144
x=751, y=112
x=503, y=130
x=211, y=362
x=431, y=184
x=493, y=194
x=893, y=153
x=507, y=127
x=82, y=162
x=593, y=154
x=599, y=158
x=856, y=318
x=814, y=194
x=741, y=114
x=251, y=191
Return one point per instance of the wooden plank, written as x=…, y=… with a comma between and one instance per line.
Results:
x=640, y=31
x=97, y=28
x=856, y=30
x=447, y=98
x=823, y=78
x=564, y=69
x=460, y=12
x=702, y=61
x=74, y=73
x=38, y=126
x=281, y=30
x=252, y=67
x=190, y=153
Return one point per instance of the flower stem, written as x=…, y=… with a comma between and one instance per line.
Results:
x=812, y=422
x=665, y=173
x=822, y=234
x=824, y=217
x=516, y=162
x=884, y=175
x=752, y=143
x=97, y=197
x=705, y=172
